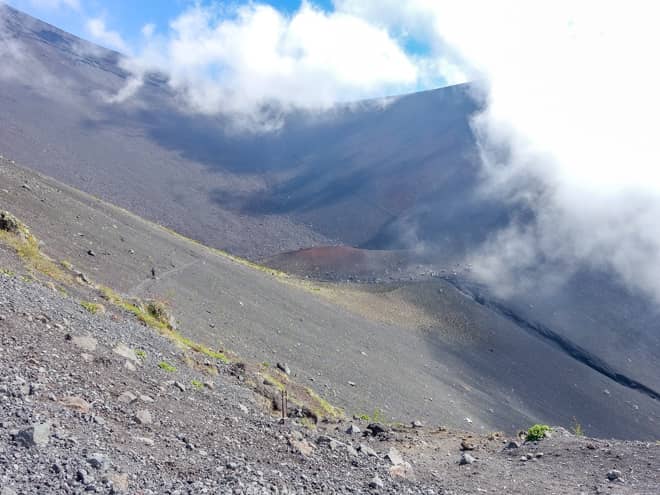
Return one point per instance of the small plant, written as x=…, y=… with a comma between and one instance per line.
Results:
x=93, y=307
x=378, y=416
x=577, y=428
x=141, y=355
x=5, y=271
x=197, y=384
x=67, y=264
x=265, y=364
x=537, y=432
x=364, y=417
x=165, y=366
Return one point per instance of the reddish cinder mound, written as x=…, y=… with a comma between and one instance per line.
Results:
x=340, y=262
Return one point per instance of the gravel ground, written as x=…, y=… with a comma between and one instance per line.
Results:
x=81, y=411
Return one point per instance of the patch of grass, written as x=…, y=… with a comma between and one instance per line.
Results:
x=110, y=295
x=67, y=264
x=278, y=384
x=323, y=408
x=155, y=314
x=537, y=432
x=92, y=307
x=265, y=364
x=27, y=248
x=577, y=428
x=165, y=366
x=308, y=423
x=376, y=417
x=140, y=354
x=197, y=385
x=6, y=272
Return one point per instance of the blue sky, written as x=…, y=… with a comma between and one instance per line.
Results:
x=128, y=16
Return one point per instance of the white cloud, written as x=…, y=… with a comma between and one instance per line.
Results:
x=55, y=4
x=256, y=57
x=570, y=129
x=101, y=34
x=148, y=30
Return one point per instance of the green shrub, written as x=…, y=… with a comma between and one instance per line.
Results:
x=92, y=307
x=165, y=366
x=197, y=384
x=537, y=432
x=141, y=355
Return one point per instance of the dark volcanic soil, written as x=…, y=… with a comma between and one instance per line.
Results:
x=82, y=412
x=412, y=351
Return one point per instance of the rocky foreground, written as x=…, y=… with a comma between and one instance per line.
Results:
x=102, y=404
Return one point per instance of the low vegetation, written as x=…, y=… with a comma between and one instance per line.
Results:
x=18, y=237
x=165, y=366
x=537, y=432
x=197, y=385
x=577, y=428
x=92, y=307
x=376, y=417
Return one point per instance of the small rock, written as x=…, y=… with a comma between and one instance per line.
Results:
x=417, y=424
x=403, y=470
x=127, y=397
x=76, y=403
x=84, y=477
x=85, y=343
x=37, y=435
x=126, y=352
x=284, y=368
x=180, y=386
x=243, y=409
x=376, y=482
x=376, y=428
x=353, y=430
x=512, y=445
x=146, y=398
x=365, y=449
x=302, y=446
x=146, y=441
x=352, y=384
x=98, y=461
x=538, y=455
x=119, y=482
x=466, y=459
x=129, y=366
x=336, y=445
x=232, y=465
x=523, y=458
x=143, y=417
x=614, y=475
x=394, y=457
x=466, y=445
x=91, y=253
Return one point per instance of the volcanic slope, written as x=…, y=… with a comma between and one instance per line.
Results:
x=372, y=175
x=435, y=355
x=87, y=405
x=378, y=174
